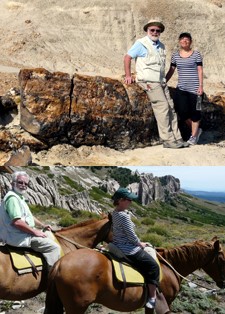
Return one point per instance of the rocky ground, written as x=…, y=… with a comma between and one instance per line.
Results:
x=36, y=304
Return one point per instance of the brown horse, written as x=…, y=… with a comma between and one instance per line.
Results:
x=19, y=287
x=76, y=287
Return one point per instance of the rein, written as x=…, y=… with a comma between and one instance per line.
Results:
x=177, y=273
x=77, y=245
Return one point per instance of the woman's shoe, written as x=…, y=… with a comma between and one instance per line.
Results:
x=151, y=303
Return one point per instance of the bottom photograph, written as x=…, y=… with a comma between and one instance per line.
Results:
x=98, y=239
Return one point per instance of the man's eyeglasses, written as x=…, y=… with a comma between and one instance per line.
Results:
x=154, y=30
x=22, y=183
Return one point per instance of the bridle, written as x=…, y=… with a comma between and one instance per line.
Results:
x=220, y=265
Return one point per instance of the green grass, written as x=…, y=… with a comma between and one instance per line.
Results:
x=73, y=184
x=62, y=217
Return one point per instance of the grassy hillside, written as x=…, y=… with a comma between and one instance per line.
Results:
x=183, y=218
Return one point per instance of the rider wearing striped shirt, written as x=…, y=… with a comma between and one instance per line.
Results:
x=190, y=84
x=125, y=238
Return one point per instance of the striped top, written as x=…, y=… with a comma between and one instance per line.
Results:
x=124, y=236
x=188, y=79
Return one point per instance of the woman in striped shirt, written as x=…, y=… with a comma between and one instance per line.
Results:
x=125, y=238
x=190, y=84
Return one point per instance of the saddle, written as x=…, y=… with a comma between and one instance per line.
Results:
x=25, y=260
x=124, y=268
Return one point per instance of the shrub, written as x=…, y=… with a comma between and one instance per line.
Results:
x=193, y=301
x=67, y=221
x=73, y=184
x=160, y=230
x=154, y=239
x=124, y=176
x=147, y=221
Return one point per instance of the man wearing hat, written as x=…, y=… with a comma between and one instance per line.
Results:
x=149, y=54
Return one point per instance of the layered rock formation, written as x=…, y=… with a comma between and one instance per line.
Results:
x=49, y=189
x=152, y=188
x=92, y=36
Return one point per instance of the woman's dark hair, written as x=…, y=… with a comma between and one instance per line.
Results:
x=188, y=35
x=116, y=202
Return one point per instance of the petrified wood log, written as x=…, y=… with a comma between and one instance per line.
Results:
x=85, y=110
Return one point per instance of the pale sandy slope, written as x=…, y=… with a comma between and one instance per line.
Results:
x=92, y=36
x=199, y=155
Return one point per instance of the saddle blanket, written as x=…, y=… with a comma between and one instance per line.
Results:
x=126, y=273
x=23, y=260
x=22, y=264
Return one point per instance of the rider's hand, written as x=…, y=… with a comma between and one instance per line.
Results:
x=47, y=228
x=129, y=79
x=39, y=233
x=142, y=245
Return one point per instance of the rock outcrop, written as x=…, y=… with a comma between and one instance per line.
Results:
x=92, y=36
x=49, y=189
x=152, y=188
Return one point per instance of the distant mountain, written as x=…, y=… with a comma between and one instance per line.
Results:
x=210, y=196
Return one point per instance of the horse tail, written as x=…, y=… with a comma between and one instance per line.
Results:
x=53, y=304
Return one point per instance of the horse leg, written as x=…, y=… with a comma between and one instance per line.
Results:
x=72, y=308
x=76, y=299
x=53, y=304
x=149, y=311
x=158, y=310
x=161, y=304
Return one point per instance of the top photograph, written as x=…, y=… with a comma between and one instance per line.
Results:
x=108, y=83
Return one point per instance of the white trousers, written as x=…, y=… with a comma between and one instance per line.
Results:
x=48, y=247
x=163, y=108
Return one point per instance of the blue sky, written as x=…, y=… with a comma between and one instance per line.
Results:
x=210, y=178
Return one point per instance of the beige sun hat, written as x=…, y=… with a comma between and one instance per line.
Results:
x=154, y=22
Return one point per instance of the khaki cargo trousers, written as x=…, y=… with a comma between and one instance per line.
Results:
x=163, y=108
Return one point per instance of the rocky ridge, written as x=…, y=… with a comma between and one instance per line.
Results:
x=53, y=187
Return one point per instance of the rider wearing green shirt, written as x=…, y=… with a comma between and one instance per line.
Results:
x=18, y=225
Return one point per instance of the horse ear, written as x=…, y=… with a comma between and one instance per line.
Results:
x=214, y=239
x=217, y=245
x=110, y=217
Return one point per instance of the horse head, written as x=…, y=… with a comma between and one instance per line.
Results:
x=105, y=234
x=215, y=268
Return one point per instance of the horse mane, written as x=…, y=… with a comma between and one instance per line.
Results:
x=80, y=224
x=185, y=251
x=85, y=223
